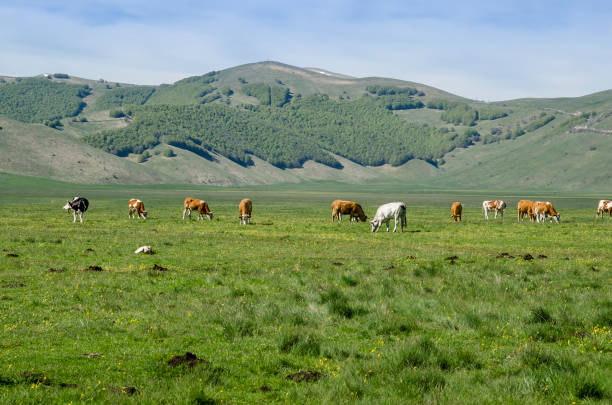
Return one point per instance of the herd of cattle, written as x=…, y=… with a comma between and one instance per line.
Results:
x=537, y=211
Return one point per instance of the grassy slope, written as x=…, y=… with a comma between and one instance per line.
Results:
x=534, y=160
x=385, y=318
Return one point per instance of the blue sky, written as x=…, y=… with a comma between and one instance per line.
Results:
x=486, y=50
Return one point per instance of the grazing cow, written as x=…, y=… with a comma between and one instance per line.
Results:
x=193, y=204
x=384, y=213
x=244, y=209
x=495, y=205
x=544, y=209
x=456, y=209
x=340, y=207
x=604, y=206
x=137, y=209
x=78, y=205
x=525, y=207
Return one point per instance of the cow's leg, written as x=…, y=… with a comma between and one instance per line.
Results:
x=184, y=211
x=395, y=218
x=81, y=216
x=486, y=213
x=74, y=216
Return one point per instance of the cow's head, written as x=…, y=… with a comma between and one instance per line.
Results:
x=67, y=207
x=557, y=217
x=209, y=216
x=244, y=218
x=375, y=224
x=144, y=214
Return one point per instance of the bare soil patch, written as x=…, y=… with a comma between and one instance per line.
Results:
x=157, y=267
x=188, y=359
x=12, y=255
x=94, y=268
x=126, y=390
x=305, y=376
x=54, y=270
x=504, y=255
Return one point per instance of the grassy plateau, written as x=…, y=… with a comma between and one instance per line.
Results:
x=295, y=309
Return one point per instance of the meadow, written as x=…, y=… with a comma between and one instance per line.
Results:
x=295, y=309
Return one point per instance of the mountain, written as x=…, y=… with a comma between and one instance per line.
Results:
x=268, y=122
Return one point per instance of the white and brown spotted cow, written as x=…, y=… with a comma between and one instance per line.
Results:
x=78, y=206
x=193, y=204
x=494, y=205
x=136, y=209
x=244, y=211
x=604, y=206
x=543, y=210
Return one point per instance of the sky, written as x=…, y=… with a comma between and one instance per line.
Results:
x=484, y=50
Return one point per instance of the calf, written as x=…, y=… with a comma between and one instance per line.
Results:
x=604, y=206
x=456, y=209
x=525, y=207
x=340, y=207
x=192, y=204
x=136, y=208
x=495, y=205
x=384, y=213
x=78, y=205
x=244, y=210
x=543, y=210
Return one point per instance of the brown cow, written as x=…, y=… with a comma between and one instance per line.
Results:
x=244, y=209
x=351, y=208
x=137, y=209
x=525, y=207
x=192, y=204
x=544, y=209
x=604, y=206
x=456, y=209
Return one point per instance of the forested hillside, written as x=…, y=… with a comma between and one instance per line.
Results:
x=270, y=122
x=364, y=131
x=36, y=100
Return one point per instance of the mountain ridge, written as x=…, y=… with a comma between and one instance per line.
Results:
x=474, y=138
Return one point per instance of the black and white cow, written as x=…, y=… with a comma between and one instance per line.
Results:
x=78, y=205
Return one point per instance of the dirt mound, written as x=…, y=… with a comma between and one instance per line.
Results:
x=54, y=270
x=305, y=376
x=89, y=250
x=451, y=259
x=187, y=359
x=12, y=255
x=527, y=257
x=123, y=390
x=91, y=355
x=542, y=257
x=13, y=285
x=158, y=268
x=93, y=268
x=338, y=264
x=504, y=255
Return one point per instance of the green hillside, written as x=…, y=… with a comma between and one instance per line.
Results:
x=34, y=100
x=269, y=122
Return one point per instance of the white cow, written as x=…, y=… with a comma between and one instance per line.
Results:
x=495, y=205
x=384, y=213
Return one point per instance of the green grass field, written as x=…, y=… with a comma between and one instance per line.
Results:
x=294, y=308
